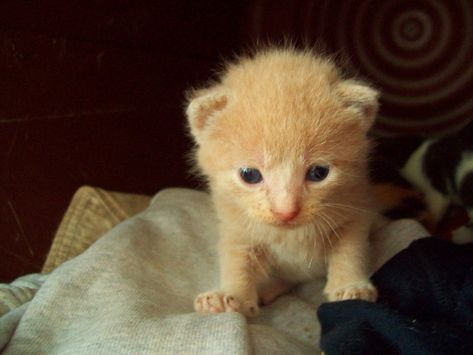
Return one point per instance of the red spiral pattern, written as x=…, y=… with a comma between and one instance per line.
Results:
x=418, y=52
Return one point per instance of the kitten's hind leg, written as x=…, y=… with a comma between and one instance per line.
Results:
x=465, y=234
x=273, y=289
x=438, y=204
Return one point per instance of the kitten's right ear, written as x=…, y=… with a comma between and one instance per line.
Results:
x=202, y=106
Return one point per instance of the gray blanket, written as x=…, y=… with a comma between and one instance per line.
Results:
x=132, y=292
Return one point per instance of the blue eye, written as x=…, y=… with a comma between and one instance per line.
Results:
x=251, y=175
x=317, y=173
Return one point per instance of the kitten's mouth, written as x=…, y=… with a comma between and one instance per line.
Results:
x=287, y=224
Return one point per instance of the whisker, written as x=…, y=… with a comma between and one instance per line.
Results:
x=322, y=234
x=349, y=207
x=332, y=225
x=262, y=268
x=314, y=243
x=337, y=214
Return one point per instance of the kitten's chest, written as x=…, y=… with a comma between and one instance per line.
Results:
x=298, y=256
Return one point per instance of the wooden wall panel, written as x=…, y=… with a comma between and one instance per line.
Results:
x=92, y=93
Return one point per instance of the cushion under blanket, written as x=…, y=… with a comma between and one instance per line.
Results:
x=425, y=306
x=132, y=292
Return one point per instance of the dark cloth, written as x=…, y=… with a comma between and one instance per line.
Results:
x=425, y=306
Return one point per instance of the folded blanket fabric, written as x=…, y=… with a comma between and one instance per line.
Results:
x=14, y=299
x=132, y=291
x=425, y=306
x=91, y=213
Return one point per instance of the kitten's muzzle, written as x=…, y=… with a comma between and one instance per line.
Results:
x=286, y=216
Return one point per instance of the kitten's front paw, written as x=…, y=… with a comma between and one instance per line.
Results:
x=363, y=290
x=218, y=302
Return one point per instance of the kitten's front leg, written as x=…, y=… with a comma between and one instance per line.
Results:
x=347, y=276
x=238, y=291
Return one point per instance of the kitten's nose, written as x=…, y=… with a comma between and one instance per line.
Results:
x=286, y=216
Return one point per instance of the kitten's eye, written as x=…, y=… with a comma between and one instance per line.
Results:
x=317, y=173
x=251, y=175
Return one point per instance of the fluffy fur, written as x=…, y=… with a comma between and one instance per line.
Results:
x=442, y=169
x=282, y=111
x=438, y=170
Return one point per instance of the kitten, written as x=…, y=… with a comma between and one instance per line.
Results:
x=396, y=197
x=442, y=169
x=282, y=140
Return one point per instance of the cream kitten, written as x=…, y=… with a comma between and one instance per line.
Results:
x=281, y=138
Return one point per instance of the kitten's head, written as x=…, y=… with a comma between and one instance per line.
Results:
x=281, y=137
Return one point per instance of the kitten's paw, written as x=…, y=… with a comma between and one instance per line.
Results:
x=363, y=290
x=215, y=302
x=218, y=302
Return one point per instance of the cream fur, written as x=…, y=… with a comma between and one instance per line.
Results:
x=282, y=111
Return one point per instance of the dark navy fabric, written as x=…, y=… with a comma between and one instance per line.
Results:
x=425, y=306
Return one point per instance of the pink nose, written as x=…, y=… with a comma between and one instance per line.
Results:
x=286, y=216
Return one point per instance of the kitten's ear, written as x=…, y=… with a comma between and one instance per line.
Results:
x=360, y=98
x=202, y=106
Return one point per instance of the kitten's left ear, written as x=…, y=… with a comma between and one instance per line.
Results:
x=360, y=98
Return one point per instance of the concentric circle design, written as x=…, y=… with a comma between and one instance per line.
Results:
x=418, y=52
x=412, y=29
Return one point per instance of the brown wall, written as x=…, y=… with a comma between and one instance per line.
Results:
x=91, y=92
